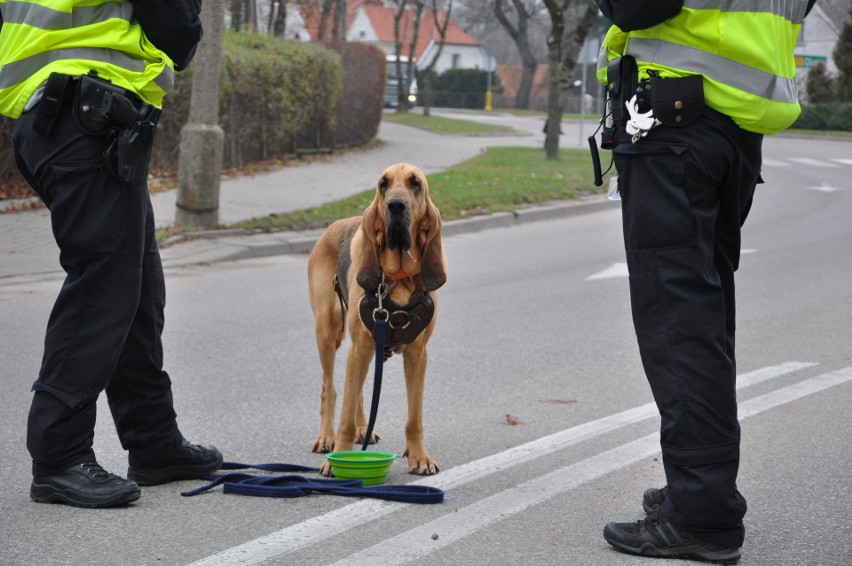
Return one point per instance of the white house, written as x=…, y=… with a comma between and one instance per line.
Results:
x=372, y=21
x=820, y=34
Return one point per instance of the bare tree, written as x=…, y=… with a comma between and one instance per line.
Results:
x=325, y=9
x=417, y=6
x=338, y=31
x=524, y=10
x=426, y=71
x=277, y=17
x=562, y=59
x=239, y=13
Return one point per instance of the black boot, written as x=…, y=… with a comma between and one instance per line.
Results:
x=84, y=485
x=655, y=536
x=187, y=461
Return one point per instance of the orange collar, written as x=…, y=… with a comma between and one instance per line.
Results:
x=401, y=274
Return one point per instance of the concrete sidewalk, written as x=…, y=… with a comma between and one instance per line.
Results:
x=28, y=251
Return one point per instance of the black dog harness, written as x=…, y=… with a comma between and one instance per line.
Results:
x=404, y=322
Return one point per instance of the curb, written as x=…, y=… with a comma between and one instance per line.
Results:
x=235, y=247
x=217, y=246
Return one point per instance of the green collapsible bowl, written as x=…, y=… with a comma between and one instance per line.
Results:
x=369, y=466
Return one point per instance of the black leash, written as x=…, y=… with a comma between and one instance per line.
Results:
x=380, y=321
x=288, y=486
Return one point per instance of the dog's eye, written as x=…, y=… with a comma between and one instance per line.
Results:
x=383, y=184
x=414, y=182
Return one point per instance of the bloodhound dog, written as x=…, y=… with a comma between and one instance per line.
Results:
x=395, y=245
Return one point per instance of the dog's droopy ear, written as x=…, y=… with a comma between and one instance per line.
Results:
x=370, y=271
x=434, y=270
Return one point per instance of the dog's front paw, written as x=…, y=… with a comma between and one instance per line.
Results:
x=421, y=464
x=362, y=431
x=325, y=469
x=323, y=444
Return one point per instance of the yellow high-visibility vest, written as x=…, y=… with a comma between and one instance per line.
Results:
x=74, y=37
x=743, y=49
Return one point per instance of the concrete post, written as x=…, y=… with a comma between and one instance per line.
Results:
x=202, y=139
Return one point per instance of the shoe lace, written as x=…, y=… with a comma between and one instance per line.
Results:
x=95, y=470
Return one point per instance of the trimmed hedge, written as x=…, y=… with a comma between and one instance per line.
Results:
x=835, y=116
x=277, y=98
x=461, y=88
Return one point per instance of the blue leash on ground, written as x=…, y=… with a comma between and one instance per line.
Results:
x=299, y=486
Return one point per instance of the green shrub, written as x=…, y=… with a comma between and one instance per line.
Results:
x=359, y=110
x=460, y=88
x=828, y=116
x=274, y=94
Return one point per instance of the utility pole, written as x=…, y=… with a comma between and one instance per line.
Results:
x=202, y=139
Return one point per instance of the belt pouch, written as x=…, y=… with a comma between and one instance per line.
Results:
x=133, y=150
x=677, y=102
x=51, y=103
x=88, y=105
x=621, y=79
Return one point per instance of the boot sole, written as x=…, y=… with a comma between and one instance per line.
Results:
x=690, y=552
x=49, y=494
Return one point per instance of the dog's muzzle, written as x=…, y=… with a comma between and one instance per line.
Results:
x=399, y=223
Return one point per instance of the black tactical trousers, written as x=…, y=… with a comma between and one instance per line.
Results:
x=104, y=332
x=685, y=193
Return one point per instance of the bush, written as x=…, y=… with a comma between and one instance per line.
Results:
x=359, y=110
x=829, y=116
x=820, y=85
x=275, y=95
x=459, y=88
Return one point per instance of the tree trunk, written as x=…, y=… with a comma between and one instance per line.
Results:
x=424, y=83
x=553, y=125
x=202, y=138
x=520, y=35
x=278, y=18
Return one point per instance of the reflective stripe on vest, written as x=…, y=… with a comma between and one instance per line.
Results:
x=792, y=10
x=740, y=76
x=42, y=17
x=65, y=37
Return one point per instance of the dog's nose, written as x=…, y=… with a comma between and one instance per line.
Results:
x=396, y=206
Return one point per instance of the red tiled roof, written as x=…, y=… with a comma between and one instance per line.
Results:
x=382, y=20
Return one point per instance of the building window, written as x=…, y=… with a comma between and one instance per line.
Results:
x=456, y=60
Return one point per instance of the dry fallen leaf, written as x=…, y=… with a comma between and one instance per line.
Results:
x=512, y=420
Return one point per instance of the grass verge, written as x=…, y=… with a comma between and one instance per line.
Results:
x=500, y=179
x=445, y=126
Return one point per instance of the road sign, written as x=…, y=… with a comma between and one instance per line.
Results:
x=808, y=61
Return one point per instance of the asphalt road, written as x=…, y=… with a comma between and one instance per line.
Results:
x=534, y=323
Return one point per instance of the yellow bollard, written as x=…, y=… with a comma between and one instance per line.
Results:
x=488, y=100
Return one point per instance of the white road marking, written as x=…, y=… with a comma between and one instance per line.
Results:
x=417, y=542
x=843, y=161
x=774, y=162
x=615, y=270
x=825, y=188
x=812, y=162
x=319, y=528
